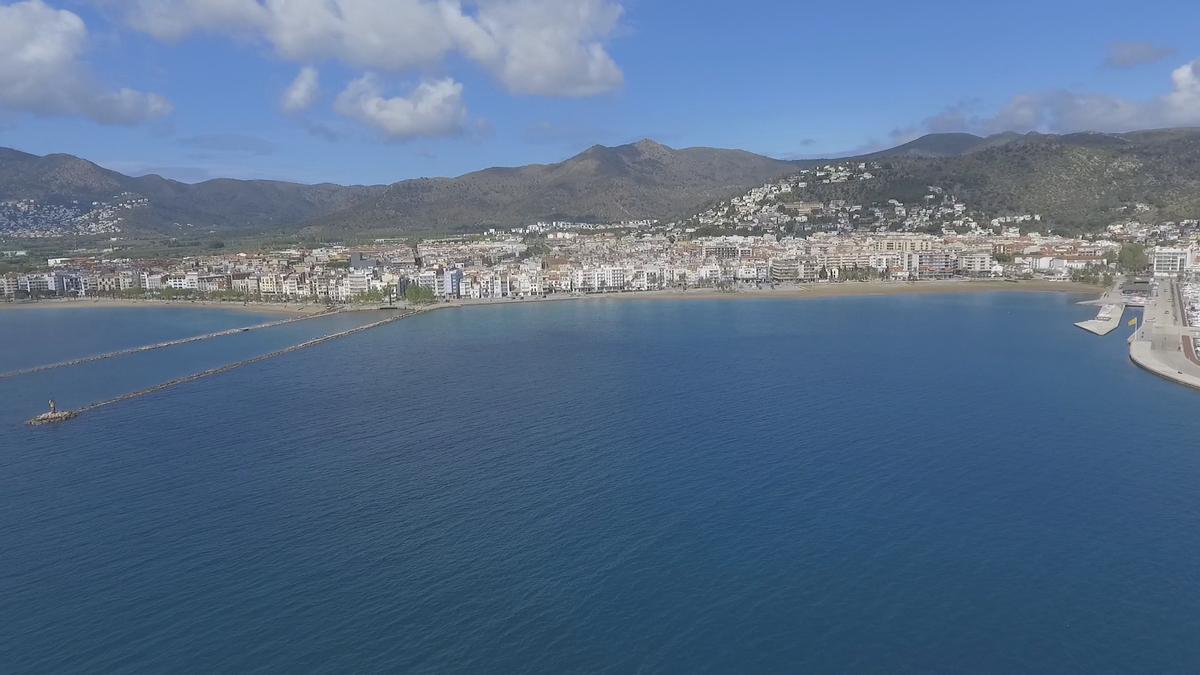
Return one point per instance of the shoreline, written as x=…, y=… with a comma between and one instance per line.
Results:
x=289, y=308
x=869, y=289
x=797, y=292
x=791, y=292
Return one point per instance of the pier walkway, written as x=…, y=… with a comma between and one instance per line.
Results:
x=1107, y=319
x=1112, y=309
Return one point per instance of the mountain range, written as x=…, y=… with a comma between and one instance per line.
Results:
x=602, y=184
x=1079, y=180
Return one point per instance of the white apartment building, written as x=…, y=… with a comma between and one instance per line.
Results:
x=1170, y=261
x=270, y=284
x=976, y=264
x=153, y=281
x=358, y=283
x=245, y=283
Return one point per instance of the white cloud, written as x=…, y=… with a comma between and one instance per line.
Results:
x=302, y=92
x=1064, y=111
x=432, y=109
x=42, y=72
x=175, y=19
x=547, y=47
x=542, y=47
x=383, y=34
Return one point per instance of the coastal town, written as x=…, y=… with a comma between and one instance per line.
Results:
x=770, y=237
x=558, y=258
x=567, y=261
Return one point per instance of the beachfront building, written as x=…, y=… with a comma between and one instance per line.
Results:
x=210, y=283
x=977, y=264
x=34, y=285
x=153, y=281
x=129, y=280
x=1169, y=262
x=270, y=284
x=793, y=270
x=785, y=270
x=929, y=265
x=358, y=283
x=451, y=284
x=244, y=283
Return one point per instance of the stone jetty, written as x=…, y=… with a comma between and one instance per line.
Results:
x=71, y=414
x=157, y=345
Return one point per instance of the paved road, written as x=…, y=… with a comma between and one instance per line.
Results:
x=1160, y=341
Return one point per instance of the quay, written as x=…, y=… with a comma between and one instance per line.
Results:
x=1112, y=307
x=1164, y=344
x=157, y=345
x=62, y=416
x=1106, y=321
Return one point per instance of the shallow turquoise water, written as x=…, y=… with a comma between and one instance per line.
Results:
x=946, y=483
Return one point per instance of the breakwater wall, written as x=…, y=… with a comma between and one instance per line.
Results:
x=157, y=345
x=234, y=366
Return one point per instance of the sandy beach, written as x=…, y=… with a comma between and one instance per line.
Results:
x=800, y=291
x=868, y=288
x=293, y=308
x=791, y=292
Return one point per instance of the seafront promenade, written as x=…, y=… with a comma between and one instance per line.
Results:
x=1164, y=343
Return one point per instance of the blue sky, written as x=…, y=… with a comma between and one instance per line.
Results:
x=373, y=91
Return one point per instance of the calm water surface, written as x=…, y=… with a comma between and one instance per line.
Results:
x=36, y=335
x=959, y=483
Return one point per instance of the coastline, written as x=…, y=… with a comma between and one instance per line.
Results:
x=289, y=308
x=868, y=288
x=790, y=292
x=1143, y=357
x=801, y=291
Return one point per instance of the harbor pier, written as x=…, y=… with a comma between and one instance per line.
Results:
x=1112, y=307
x=1106, y=321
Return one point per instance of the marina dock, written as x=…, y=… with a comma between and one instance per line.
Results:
x=1112, y=307
x=1106, y=321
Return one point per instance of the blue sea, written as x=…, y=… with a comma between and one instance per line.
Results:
x=942, y=483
